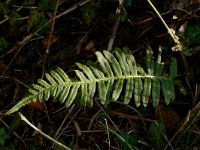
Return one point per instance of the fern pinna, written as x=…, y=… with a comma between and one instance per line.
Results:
x=113, y=76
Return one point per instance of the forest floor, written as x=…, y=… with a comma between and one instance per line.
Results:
x=39, y=35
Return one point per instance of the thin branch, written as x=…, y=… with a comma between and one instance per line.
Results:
x=72, y=8
x=170, y=31
x=4, y=20
x=107, y=129
x=117, y=20
x=50, y=35
x=53, y=23
x=52, y=27
x=67, y=116
x=39, y=131
x=67, y=126
x=8, y=1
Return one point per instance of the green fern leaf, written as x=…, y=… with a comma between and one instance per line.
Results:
x=167, y=90
x=122, y=61
x=63, y=95
x=149, y=61
x=62, y=74
x=137, y=91
x=117, y=89
x=117, y=72
x=92, y=85
x=115, y=65
x=101, y=84
x=72, y=95
x=146, y=91
x=130, y=82
x=109, y=73
x=84, y=88
x=114, y=75
x=155, y=92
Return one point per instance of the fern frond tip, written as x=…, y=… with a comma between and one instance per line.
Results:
x=21, y=103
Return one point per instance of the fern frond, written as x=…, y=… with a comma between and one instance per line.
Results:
x=115, y=75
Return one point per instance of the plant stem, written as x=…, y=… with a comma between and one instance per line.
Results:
x=39, y=131
x=117, y=20
x=170, y=31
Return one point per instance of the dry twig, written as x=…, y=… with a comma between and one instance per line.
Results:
x=117, y=20
x=39, y=131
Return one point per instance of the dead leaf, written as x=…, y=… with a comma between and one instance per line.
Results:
x=169, y=117
x=36, y=105
x=90, y=47
x=181, y=30
x=52, y=40
x=78, y=130
x=79, y=45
